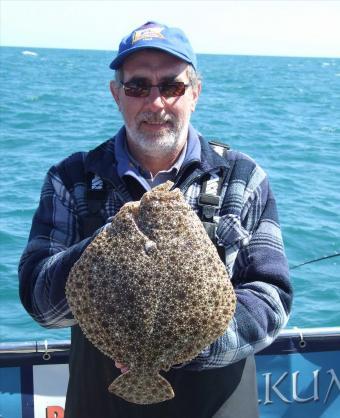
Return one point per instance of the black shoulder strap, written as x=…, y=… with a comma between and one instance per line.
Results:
x=220, y=147
x=95, y=198
x=210, y=199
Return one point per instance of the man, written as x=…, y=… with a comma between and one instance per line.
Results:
x=156, y=89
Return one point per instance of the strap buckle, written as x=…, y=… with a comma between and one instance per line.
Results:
x=210, y=204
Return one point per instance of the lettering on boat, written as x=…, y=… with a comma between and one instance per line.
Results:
x=274, y=391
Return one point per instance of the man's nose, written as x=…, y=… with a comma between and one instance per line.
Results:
x=155, y=100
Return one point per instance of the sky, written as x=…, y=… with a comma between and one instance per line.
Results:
x=272, y=27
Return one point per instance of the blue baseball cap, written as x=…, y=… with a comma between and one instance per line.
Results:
x=157, y=36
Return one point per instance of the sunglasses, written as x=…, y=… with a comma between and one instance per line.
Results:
x=166, y=89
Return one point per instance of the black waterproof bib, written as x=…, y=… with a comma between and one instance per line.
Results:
x=198, y=394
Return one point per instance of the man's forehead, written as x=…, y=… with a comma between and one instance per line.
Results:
x=154, y=60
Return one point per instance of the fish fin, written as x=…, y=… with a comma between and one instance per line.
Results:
x=142, y=388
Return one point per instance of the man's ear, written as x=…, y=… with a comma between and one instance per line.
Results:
x=196, y=91
x=114, y=88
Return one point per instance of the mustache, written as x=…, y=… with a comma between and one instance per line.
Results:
x=151, y=117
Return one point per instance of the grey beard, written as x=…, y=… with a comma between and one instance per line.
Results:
x=159, y=144
x=156, y=146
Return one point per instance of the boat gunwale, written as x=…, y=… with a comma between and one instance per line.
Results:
x=288, y=334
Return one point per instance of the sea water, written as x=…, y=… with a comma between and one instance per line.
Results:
x=283, y=112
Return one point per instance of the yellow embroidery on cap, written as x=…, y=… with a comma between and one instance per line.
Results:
x=147, y=34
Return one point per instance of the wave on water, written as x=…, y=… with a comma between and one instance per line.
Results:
x=30, y=53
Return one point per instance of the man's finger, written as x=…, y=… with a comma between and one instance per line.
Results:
x=122, y=367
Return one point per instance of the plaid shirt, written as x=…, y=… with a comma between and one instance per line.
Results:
x=248, y=229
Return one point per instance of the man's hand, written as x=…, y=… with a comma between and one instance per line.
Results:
x=122, y=367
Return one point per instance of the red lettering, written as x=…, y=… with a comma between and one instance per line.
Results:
x=54, y=412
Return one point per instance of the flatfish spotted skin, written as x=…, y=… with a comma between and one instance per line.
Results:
x=151, y=292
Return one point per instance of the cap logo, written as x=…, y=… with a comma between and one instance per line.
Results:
x=147, y=34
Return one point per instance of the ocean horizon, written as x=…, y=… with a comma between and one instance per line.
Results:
x=113, y=52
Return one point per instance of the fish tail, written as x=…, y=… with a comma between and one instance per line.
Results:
x=142, y=388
